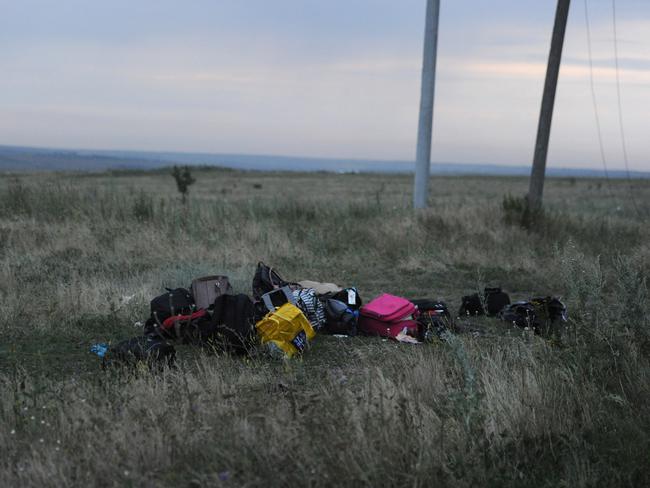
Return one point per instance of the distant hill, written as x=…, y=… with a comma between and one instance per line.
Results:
x=15, y=158
x=36, y=159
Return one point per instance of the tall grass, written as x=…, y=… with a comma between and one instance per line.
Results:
x=81, y=256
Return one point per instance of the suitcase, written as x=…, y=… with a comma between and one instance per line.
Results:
x=388, y=316
x=205, y=290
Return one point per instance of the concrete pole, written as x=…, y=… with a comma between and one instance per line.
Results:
x=425, y=125
x=536, y=188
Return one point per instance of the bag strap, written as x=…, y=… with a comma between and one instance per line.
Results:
x=171, y=321
x=271, y=277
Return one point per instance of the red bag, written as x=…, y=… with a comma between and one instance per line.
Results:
x=170, y=322
x=387, y=316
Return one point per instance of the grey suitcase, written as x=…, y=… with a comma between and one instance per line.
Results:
x=205, y=290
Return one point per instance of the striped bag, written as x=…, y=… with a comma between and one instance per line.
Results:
x=307, y=301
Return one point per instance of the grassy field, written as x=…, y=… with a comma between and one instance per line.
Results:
x=81, y=255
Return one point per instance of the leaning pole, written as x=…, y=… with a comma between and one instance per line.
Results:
x=425, y=125
x=537, y=174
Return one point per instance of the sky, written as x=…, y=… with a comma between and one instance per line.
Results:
x=335, y=78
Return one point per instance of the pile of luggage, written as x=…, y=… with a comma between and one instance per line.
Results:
x=282, y=317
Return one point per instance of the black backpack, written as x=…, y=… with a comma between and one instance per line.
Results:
x=471, y=305
x=230, y=328
x=151, y=350
x=495, y=300
x=266, y=279
x=178, y=301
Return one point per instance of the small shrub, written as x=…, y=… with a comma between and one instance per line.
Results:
x=183, y=179
x=517, y=211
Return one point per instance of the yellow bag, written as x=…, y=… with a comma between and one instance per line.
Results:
x=287, y=329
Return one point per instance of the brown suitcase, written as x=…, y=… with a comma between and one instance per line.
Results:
x=205, y=290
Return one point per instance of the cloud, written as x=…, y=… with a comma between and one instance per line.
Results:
x=535, y=71
x=199, y=77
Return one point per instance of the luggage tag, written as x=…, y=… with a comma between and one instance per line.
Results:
x=352, y=296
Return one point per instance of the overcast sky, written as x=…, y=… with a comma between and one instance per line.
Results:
x=335, y=78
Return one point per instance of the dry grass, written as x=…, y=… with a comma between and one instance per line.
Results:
x=503, y=409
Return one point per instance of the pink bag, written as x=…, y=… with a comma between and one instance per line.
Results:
x=387, y=316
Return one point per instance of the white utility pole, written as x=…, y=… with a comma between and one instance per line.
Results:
x=425, y=126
